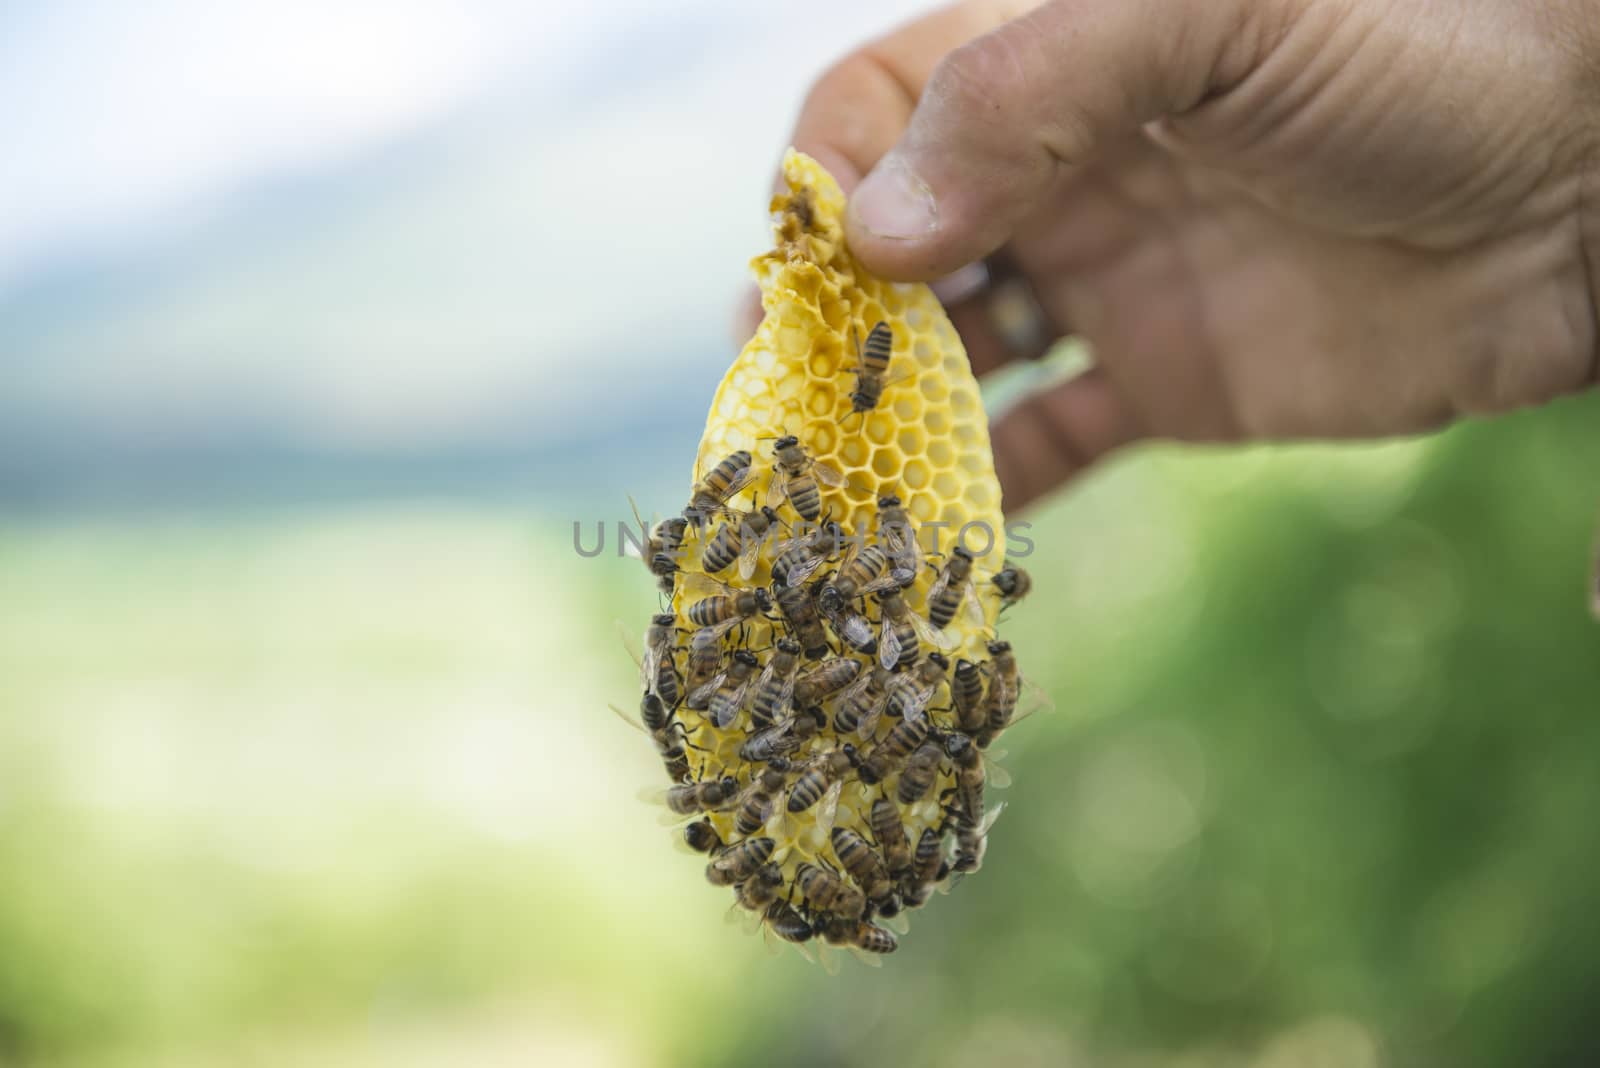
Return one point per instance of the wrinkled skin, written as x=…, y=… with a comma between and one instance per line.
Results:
x=1271, y=218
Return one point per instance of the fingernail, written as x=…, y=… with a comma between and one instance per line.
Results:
x=893, y=202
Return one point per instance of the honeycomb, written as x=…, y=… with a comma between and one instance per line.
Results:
x=926, y=442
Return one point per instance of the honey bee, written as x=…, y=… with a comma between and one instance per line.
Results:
x=738, y=862
x=862, y=863
x=656, y=670
x=798, y=558
x=884, y=819
x=795, y=475
x=972, y=840
x=852, y=628
x=917, y=777
x=899, y=537
x=1005, y=686
x=661, y=544
x=718, y=486
x=704, y=664
x=953, y=589
x=966, y=693
x=842, y=930
x=783, y=738
x=928, y=868
x=824, y=680
x=820, y=782
x=688, y=798
x=701, y=837
x=866, y=570
x=721, y=612
x=862, y=702
x=889, y=754
x=903, y=631
x=756, y=804
x=872, y=368
x=1013, y=584
x=759, y=891
x=973, y=772
x=825, y=891
x=911, y=691
x=798, y=609
x=776, y=686
x=726, y=691
x=787, y=924
x=739, y=538
x=655, y=721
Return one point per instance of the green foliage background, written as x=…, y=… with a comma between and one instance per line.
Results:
x=336, y=785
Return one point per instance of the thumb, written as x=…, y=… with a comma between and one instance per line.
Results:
x=1004, y=116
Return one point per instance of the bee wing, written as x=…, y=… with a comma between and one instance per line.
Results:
x=919, y=701
x=888, y=647
x=766, y=676
x=888, y=580
x=628, y=546
x=828, y=807
x=657, y=795
x=750, y=555
x=701, y=693
x=700, y=583
x=650, y=666
x=973, y=603
x=749, y=922
x=828, y=957
x=777, y=486
x=993, y=774
x=717, y=630
x=741, y=479
x=783, y=545
x=849, y=693
x=777, y=818
x=871, y=960
x=735, y=703
x=802, y=572
x=989, y=818
x=899, y=923
x=869, y=722
x=931, y=634
x=803, y=951
x=785, y=695
x=631, y=644
x=1031, y=699
x=937, y=589
x=903, y=547
x=853, y=628
x=669, y=818
x=826, y=473
x=852, y=549
x=629, y=720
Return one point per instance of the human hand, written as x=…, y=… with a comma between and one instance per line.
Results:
x=1270, y=218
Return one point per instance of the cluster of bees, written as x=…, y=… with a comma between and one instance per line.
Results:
x=825, y=729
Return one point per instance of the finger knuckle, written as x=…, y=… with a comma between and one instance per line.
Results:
x=984, y=78
x=1544, y=357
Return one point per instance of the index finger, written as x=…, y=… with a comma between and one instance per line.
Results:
x=861, y=105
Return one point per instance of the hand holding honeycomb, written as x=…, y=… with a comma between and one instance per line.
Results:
x=829, y=677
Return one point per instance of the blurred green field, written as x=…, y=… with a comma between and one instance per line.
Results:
x=337, y=786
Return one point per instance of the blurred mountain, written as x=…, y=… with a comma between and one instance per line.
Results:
x=512, y=297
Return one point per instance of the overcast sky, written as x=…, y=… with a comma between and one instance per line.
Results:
x=382, y=223
x=120, y=116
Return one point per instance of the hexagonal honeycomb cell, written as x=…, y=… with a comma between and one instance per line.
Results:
x=926, y=441
x=819, y=305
